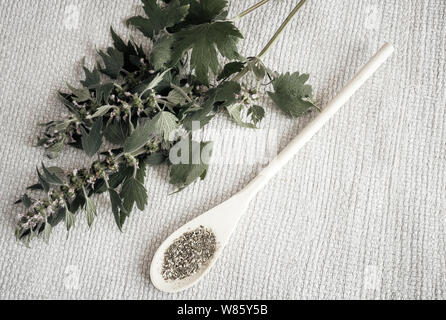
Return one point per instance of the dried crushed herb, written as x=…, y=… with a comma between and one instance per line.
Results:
x=188, y=254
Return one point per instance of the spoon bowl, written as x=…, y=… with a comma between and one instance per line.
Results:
x=221, y=220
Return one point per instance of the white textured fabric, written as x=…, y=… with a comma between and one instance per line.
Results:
x=359, y=213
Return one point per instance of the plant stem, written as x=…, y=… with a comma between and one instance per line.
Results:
x=265, y=50
x=280, y=30
x=181, y=91
x=248, y=11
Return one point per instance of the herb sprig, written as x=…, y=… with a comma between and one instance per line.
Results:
x=145, y=104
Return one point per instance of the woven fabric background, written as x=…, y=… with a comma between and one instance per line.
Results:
x=359, y=213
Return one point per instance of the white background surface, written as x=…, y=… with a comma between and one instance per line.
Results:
x=359, y=213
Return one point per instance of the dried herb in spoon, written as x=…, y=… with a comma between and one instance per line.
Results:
x=188, y=254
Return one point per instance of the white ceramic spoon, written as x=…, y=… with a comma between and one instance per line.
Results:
x=223, y=219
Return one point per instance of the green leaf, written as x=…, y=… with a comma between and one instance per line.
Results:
x=91, y=142
x=257, y=113
x=202, y=116
x=55, y=149
x=114, y=180
x=291, y=94
x=102, y=111
x=92, y=78
x=165, y=125
x=117, y=208
x=113, y=61
x=90, y=209
x=25, y=200
x=161, y=53
x=50, y=177
x=235, y=112
x=132, y=53
x=205, y=11
x=36, y=186
x=141, y=172
x=82, y=95
x=140, y=136
x=117, y=132
x=155, y=159
x=61, y=125
x=191, y=167
x=103, y=92
x=153, y=83
x=230, y=69
x=133, y=192
x=158, y=17
x=128, y=49
x=69, y=219
x=222, y=35
x=70, y=106
x=47, y=231
x=227, y=92
x=45, y=185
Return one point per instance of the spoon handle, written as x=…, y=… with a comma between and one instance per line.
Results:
x=310, y=130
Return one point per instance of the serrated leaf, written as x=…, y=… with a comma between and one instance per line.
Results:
x=141, y=172
x=222, y=35
x=102, y=111
x=119, y=44
x=230, y=69
x=161, y=53
x=70, y=220
x=165, y=124
x=175, y=97
x=205, y=11
x=53, y=151
x=158, y=17
x=103, y=92
x=291, y=94
x=113, y=61
x=47, y=231
x=155, y=159
x=132, y=53
x=257, y=113
x=77, y=203
x=201, y=116
x=90, y=210
x=82, y=95
x=114, y=180
x=50, y=177
x=133, y=192
x=36, y=186
x=191, y=165
x=227, y=92
x=61, y=125
x=235, y=112
x=26, y=200
x=153, y=83
x=92, y=78
x=140, y=136
x=91, y=142
x=117, y=208
x=117, y=132
x=45, y=185
x=70, y=106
